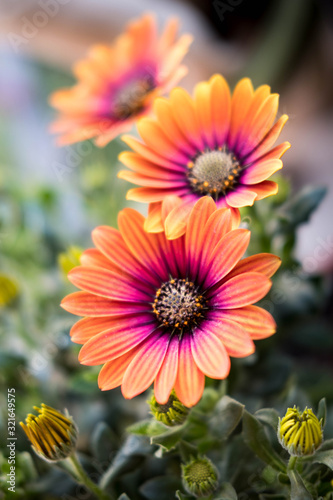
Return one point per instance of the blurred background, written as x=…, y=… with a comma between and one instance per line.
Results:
x=288, y=45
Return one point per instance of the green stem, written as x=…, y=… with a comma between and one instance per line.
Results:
x=83, y=478
x=292, y=463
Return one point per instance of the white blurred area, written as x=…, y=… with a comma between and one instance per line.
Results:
x=79, y=23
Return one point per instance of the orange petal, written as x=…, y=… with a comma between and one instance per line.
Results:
x=112, y=373
x=241, y=197
x=144, y=246
x=93, y=257
x=153, y=135
x=256, y=321
x=166, y=377
x=190, y=381
x=144, y=368
x=109, y=284
x=234, y=337
x=264, y=189
x=198, y=218
x=260, y=171
x=240, y=103
x=225, y=255
x=203, y=109
x=149, y=154
x=184, y=113
x=221, y=108
x=209, y=353
x=264, y=263
x=86, y=328
x=154, y=222
x=135, y=162
x=116, y=341
x=241, y=290
x=176, y=222
x=267, y=142
x=163, y=111
x=87, y=304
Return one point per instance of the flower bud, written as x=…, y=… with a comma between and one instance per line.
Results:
x=173, y=412
x=200, y=477
x=300, y=433
x=52, y=435
x=8, y=290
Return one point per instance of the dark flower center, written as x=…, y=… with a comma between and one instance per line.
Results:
x=130, y=99
x=179, y=304
x=213, y=172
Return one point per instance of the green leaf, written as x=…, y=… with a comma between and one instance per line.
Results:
x=227, y=492
x=147, y=428
x=321, y=413
x=127, y=459
x=324, y=457
x=169, y=439
x=255, y=437
x=227, y=416
x=300, y=207
x=268, y=416
x=102, y=442
x=298, y=490
x=161, y=487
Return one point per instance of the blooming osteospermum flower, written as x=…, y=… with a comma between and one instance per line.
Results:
x=169, y=311
x=117, y=84
x=214, y=144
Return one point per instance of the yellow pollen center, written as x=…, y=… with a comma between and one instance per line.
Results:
x=130, y=99
x=178, y=304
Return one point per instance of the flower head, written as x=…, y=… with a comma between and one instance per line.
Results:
x=300, y=433
x=52, y=434
x=212, y=144
x=173, y=412
x=169, y=311
x=200, y=477
x=117, y=83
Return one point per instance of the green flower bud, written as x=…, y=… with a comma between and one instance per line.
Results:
x=69, y=259
x=200, y=477
x=173, y=412
x=52, y=434
x=300, y=433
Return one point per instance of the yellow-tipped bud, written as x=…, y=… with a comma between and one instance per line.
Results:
x=52, y=434
x=300, y=433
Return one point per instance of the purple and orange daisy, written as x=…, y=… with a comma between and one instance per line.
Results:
x=169, y=311
x=118, y=83
x=212, y=144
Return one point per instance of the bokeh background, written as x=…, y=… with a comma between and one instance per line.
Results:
x=51, y=198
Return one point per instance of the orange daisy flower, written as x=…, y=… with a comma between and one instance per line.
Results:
x=212, y=144
x=117, y=84
x=169, y=311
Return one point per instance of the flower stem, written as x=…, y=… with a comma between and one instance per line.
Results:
x=292, y=463
x=83, y=478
